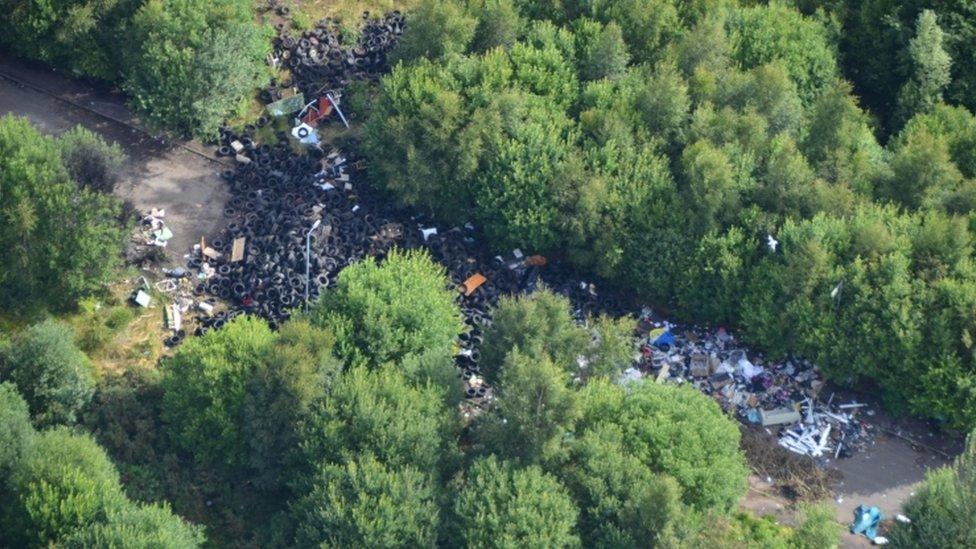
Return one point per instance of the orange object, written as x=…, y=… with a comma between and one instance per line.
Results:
x=536, y=260
x=472, y=283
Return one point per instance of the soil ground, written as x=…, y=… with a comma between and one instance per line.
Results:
x=159, y=173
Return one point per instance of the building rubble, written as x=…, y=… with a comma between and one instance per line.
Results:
x=777, y=395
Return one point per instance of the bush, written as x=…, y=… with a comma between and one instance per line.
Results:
x=195, y=62
x=366, y=504
x=235, y=396
x=53, y=375
x=146, y=526
x=673, y=430
x=500, y=505
x=378, y=413
x=60, y=242
x=385, y=312
x=943, y=509
x=16, y=431
x=90, y=161
x=65, y=484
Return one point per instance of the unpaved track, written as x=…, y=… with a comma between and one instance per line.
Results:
x=178, y=177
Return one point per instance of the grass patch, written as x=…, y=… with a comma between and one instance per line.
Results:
x=116, y=333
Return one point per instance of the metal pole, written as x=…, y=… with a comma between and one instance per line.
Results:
x=308, y=258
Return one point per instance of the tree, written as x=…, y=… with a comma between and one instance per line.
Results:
x=622, y=503
x=206, y=390
x=920, y=167
x=385, y=312
x=54, y=376
x=538, y=325
x=81, y=36
x=817, y=527
x=365, y=503
x=376, y=412
x=90, y=161
x=943, y=509
x=534, y=410
x=16, y=431
x=65, y=484
x=673, y=430
x=498, y=24
x=292, y=375
x=47, y=261
x=436, y=29
x=194, y=62
x=930, y=69
x=602, y=52
x=235, y=397
x=139, y=526
x=501, y=505
x=778, y=32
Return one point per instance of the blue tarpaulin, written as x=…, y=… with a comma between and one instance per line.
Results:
x=866, y=521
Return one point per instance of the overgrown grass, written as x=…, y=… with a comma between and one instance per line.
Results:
x=116, y=333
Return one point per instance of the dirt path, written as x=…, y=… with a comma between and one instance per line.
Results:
x=159, y=174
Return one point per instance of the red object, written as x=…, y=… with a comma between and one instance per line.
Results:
x=314, y=113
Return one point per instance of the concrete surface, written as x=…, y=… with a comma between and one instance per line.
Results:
x=158, y=174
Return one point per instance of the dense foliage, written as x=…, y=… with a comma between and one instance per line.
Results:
x=54, y=376
x=60, y=240
x=374, y=310
x=706, y=133
x=943, y=510
x=195, y=62
x=186, y=64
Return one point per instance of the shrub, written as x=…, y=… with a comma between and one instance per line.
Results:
x=195, y=62
x=54, y=376
x=501, y=505
x=384, y=312
x=90, y=161
x=367, y=504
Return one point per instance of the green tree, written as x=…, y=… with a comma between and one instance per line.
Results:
x=498, y=24
x=90, y=161
x=622, y=503
x=920, y=166
x=292, y=375
x=235, y=397
x=206, y=390
x=139, y=527
x=501, y=505
x=602, y=52
x=376, y=412
x=65, y=484
x=534, y=410
x=674, y=430
x=930, y=69
x=82, y=36
x=943, y=509
x=54, y=376
x=436, y=29
x=365, y=503
x=385, y=312
x=776, y=32
x=194, y=62
x=538, y=325
x=48, y=261
x=16, y=431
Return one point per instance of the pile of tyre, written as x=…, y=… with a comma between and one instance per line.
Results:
x=319, y=59
x=278, y=196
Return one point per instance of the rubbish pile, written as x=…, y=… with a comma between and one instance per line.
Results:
x=774, y=394
x=319, y=59
x=153, y=230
